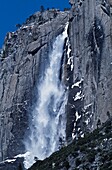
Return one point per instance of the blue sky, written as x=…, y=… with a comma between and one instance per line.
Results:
x=13, y=12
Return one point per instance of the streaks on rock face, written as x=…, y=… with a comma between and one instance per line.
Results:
x=96, y=36
x=105, y=6
x=95, y=41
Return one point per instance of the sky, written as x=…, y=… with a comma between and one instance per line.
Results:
x=15, y=12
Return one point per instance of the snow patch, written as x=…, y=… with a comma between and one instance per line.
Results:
x=53, y=165
x=99, y=27
x=8, y=161
x=82, y=136
x=87, y=121
x=86, y=113
x=67, y=78
x=73, y=106
x=73, y=136
x=77, y=84
x=70, y=58
x=105, y=139
x=69, y=50
x=70, y=62
x=77, y=116
x=28, y=26
x=78, y=96
x=22, y=155
x=85, y=107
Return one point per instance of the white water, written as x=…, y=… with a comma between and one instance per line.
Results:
x=49, y=119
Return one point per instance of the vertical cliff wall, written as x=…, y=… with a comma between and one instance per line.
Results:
x=23, y=57
x=90, y=33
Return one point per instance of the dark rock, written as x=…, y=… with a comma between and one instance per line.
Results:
x=12, y=164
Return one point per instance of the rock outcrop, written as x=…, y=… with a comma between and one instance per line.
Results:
x=12, y=164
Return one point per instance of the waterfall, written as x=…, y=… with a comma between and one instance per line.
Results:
x=48, y=117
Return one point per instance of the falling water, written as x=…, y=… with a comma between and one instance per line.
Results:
x=49, y=119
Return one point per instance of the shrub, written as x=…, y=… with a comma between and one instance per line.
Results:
x=78, y=162
x=66, y=164
x=91, y=157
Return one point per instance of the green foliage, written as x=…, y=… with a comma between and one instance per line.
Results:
x=66, y=164
x=108, y=127
x=78, y=162
x=83, y=148
x=84, y=151
x=91, y=156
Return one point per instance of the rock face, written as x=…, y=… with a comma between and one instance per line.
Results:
x=12, y=164
x=90, y=34
x=22, y=56
x=87, y=70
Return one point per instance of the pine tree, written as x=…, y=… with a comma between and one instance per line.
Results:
x=42, y=8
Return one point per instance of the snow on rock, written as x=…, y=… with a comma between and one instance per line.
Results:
x=70, y=58
x=85, y=107
x=73, y=106
x=8, y=161
x=87, y=121
x=77, y=116
x=69, y=49
x=28, y=26
x=22, y=155
x=73, y=136
x=77, y=84
x=82, y=136
x=53, y=165
x=67, y=78
x=78, y=96
x=70, y=62
x=105, y=139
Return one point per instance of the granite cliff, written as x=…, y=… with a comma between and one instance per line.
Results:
x=87, y=63
x=90, y=37
x=21, y=58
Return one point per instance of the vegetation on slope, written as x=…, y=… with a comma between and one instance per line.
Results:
x=92, y=152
